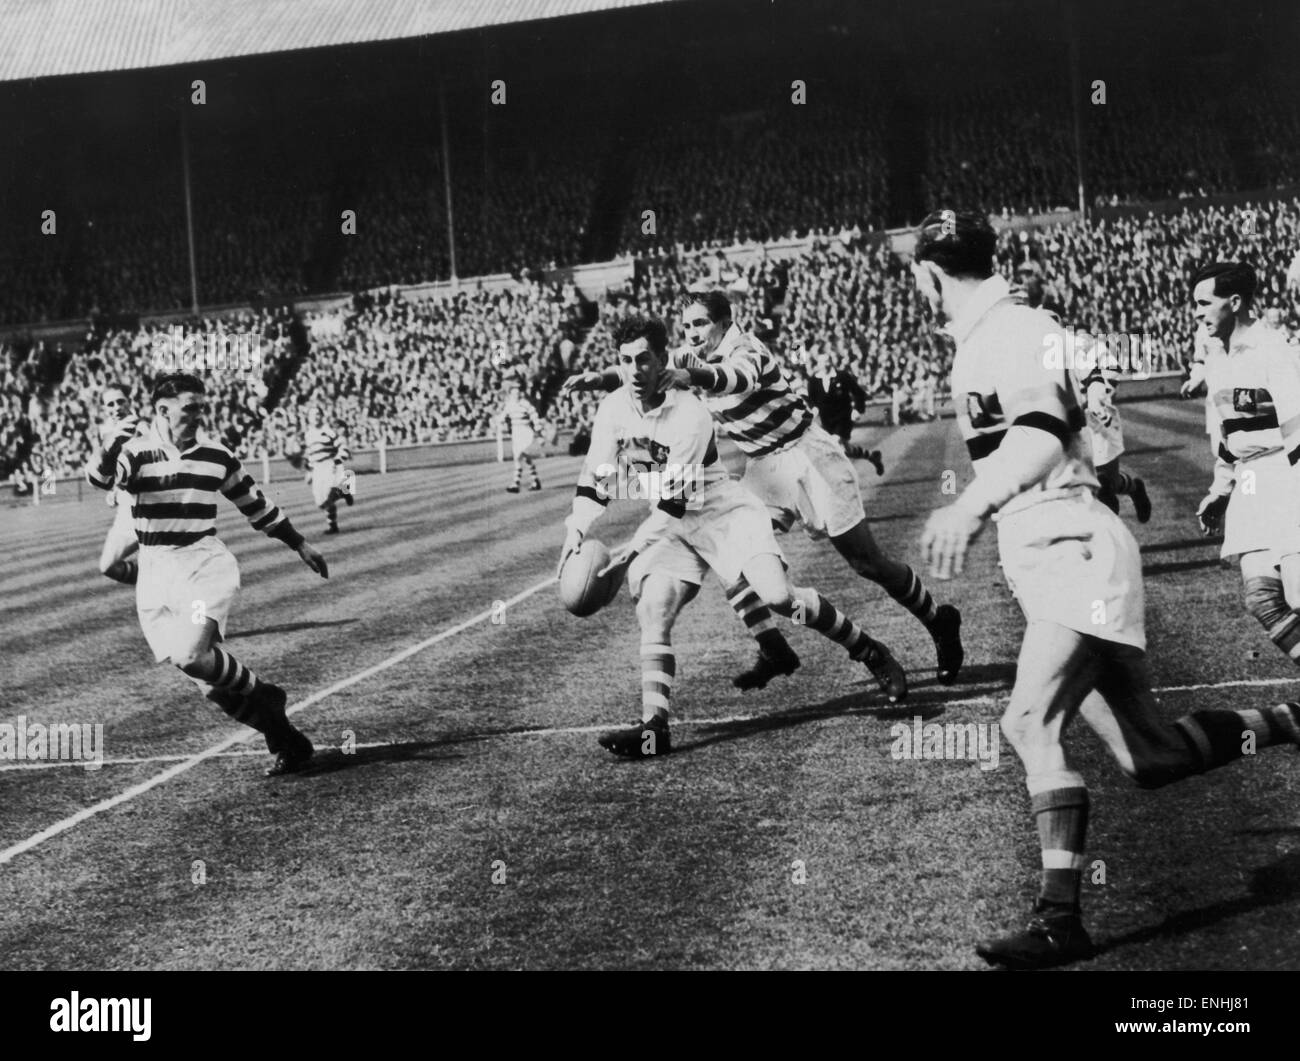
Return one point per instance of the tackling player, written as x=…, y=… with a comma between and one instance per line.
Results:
x=794, y=467
x=326, y=455
x=703, y=519
x=525, y=426
x=1253, y=380
x=187, y=577
x=117, y=559
x=1076, y=573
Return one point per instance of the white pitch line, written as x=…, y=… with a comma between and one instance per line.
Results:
x=560, y=731
x=72, y=821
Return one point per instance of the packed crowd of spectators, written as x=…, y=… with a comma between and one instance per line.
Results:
x=1008, y=146
x=50, y=397
x=267, y=201
x=434, y=369
x=781, y=173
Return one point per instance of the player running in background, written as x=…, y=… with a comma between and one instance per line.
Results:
x=1075, y=570
x=797, y=470
x=525, y=426
x=1087, y=359
x=326, y=454
x=703, y=519
x=1253, y=379
x=117, y=559
x=187, y=577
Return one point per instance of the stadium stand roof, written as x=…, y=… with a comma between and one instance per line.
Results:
x=50, y=38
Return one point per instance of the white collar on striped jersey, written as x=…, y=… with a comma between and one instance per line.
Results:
x=989, y=293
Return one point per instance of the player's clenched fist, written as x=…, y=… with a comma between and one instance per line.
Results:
x=947, y=535
x=1210, y=513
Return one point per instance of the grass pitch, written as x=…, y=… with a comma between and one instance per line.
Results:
x=460, y=815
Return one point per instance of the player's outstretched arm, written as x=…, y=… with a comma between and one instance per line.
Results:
x=604, y=380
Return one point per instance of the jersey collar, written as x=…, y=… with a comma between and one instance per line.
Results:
x=670, y=399
x=989, y=293
x=733, y=338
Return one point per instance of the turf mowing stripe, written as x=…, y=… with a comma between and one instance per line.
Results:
x=87, y=813
x=560, y=731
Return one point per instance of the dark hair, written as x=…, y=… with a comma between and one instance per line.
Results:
x=1230, y=278
x=960, y=242
x=715, y=302
x=125, y=391
x=175, y=383
x=635, y=327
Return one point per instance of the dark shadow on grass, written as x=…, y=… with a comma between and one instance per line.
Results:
x=1271, y=885
x=1179, y=565
x=852, y=704
x=1152, y=449
x=1172, y=547
x=287, y=628
x=332, y=760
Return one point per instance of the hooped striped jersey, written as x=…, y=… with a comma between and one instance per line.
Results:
x=174, y=493
x=751, y=398
x=323, y=445
x=521, y=415
x=1254, y=395
x=1002, y=376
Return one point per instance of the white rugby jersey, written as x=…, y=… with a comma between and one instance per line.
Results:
x=1000, y=376
x=674, y=442
x=174, y=493
x=752, y=398
x=1254, y=395
x=324, y=446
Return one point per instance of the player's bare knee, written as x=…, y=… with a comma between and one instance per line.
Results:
x=655, y=615
x=192, y=659
x=781, y=598
x=1024, y=729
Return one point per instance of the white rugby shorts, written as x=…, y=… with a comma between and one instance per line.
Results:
x=1107, y=440
x=1073, y=562
x=1264, y=510
x=324, y=478
x=728, y=530
x=812, y=482
x=521, y=441
x=178, y=585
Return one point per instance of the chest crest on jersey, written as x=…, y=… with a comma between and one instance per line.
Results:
x=645, y=449
x=1249, y=399
x=983, y=410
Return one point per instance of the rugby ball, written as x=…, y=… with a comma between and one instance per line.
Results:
x=583, y=590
